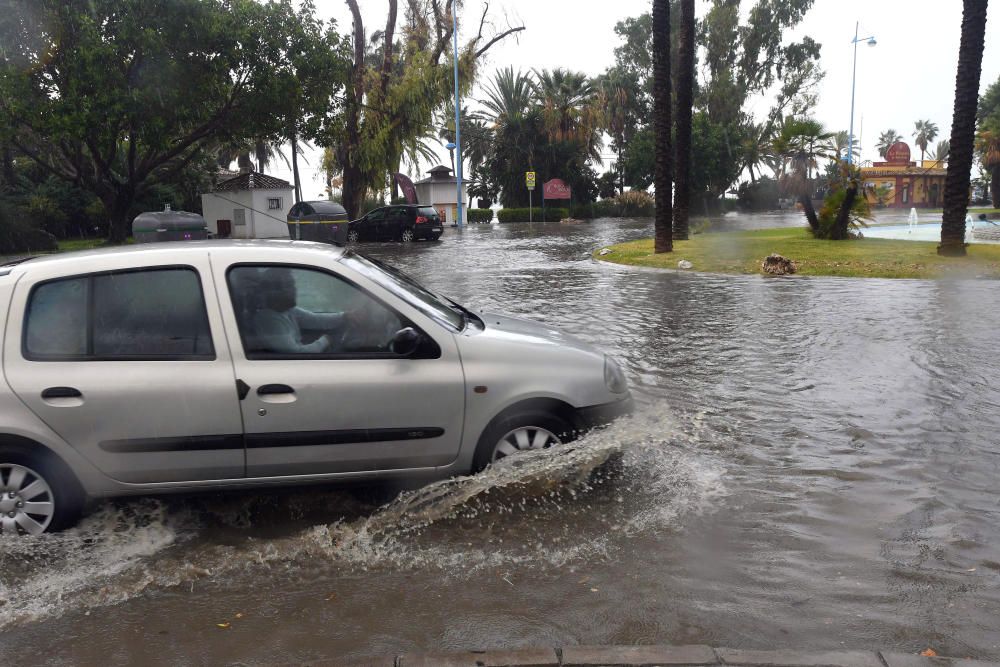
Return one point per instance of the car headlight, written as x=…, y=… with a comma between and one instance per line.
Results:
x=614, y=376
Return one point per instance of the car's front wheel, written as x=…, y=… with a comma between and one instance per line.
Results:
x=520, y=432
x=37, y=494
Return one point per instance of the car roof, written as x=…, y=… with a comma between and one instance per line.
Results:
x=177, y=250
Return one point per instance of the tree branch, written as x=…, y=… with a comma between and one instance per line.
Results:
x=390, y=28
x=496, y=39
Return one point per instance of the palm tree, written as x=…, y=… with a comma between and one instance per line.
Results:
x=514, y=121
x=941, y=150
x=570, y=109
x=840, y=140
x=963, y=128
x=802, y=143
x=661, y=126
x=988, y=144
x=685, y=100
x=924, y=133
x=617, y=95
x=886, y=139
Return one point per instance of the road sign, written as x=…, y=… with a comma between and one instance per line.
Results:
x=529, y=179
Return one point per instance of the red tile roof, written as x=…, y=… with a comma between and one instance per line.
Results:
x=254, y=181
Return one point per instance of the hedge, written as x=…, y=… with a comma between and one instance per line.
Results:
x=552, y=214
x=475, y=215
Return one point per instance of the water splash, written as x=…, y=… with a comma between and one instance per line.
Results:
x=637, y=475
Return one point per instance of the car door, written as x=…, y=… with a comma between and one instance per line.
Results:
x=398, y=219
x=375, y=224
x=347, y=404
x=129, y=365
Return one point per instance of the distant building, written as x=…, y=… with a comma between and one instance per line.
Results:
x=249, y=206
x=900, y=183
x=439, y=190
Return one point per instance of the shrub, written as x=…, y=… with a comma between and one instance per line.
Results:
x=759, y=196
x=474, y=215
x=17, y=236
x=552, y=214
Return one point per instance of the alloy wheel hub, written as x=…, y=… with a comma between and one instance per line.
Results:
x=524, y=438
x=26, y=501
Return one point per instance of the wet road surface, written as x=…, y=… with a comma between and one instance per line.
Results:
x=814, y=465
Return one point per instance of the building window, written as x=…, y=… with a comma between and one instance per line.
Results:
x=274, y=203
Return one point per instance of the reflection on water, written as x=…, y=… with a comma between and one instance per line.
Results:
x=814, y=465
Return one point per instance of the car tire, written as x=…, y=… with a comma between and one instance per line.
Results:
x=25, y=467
x=530, y=425
x=353, y=236
x=406, y=236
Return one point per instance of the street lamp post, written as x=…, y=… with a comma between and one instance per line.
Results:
x=854, y=75
x=458, y=108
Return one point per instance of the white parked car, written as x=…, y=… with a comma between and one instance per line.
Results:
x=220, y=364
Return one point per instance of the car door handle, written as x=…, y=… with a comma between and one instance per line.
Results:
x=61, y=392
x=269, y=389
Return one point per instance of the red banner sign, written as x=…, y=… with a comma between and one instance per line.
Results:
x=898, y=153
x=406, y=185
x=556, y=189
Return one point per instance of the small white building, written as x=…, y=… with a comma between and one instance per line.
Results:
x=249, y=206
x=439, y=190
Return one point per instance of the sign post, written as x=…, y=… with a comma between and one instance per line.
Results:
x=529, y=180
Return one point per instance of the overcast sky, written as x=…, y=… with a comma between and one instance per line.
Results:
x=908, y=75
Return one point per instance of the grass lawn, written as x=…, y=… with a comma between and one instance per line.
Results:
x=742, y=252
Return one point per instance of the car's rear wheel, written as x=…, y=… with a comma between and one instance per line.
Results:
x=520, y=432
x=353, y=236
x=37, y=493
x=406, y=236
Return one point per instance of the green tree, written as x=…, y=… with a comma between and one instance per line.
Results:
x=963, y=128
x=119, y=95
x=840, y=141
x=887, y=139
x=663, y=238
x=924, y=132
x=988, y=138
x=395, y=86
x=802, y=143
x=685, y=102
x=941, y=150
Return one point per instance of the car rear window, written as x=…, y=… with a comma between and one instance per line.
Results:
x=131, y=315
x=427, y=210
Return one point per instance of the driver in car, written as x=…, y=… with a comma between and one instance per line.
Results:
x=279, y=324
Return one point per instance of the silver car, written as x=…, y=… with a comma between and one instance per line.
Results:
x=222, y=364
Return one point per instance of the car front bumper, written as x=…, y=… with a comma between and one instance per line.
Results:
x=595, y=416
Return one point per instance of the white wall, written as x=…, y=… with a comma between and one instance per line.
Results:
x=442, y=197
x=260, y=222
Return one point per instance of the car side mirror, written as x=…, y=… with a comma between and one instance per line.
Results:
x=405, y=342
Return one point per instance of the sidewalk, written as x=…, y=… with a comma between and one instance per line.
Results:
x=650, y=656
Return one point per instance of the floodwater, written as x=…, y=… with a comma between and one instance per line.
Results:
x=814, y=465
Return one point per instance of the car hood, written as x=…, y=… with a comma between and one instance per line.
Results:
x=516, y=330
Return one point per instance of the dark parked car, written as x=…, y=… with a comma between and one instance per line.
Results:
x=397, y=223
x=324, y=221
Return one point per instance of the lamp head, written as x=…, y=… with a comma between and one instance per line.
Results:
x=871, y=41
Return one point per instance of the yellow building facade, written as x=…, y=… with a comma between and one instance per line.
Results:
x=900, y=183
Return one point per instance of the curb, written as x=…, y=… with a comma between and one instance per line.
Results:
x=652, y=656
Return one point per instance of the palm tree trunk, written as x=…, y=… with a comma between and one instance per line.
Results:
x=685, y=100
x=995, y=185
x=661, y=126
x=963, y=128
x=807, y=207
x=840, y=225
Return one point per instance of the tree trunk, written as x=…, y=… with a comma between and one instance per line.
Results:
x=963, y=128
x=661, y=126
x=7, y=158
x=807, y=206
x=295, y=168
x=995, y=185
x=118, y=205
x=840, y=225
x=685, y=100
x=353, y=192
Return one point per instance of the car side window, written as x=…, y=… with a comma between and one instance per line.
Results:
x=375, y=216
x=289, y=311
x=130, y=315
x=399, y=214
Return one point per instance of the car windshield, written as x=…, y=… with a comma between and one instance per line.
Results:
x=405, y=287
